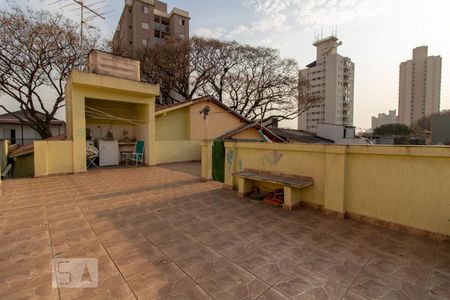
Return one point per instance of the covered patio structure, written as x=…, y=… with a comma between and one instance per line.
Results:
x=87, y=92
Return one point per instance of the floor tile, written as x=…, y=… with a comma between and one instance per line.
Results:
x=264, y=264
x=342, y=271
x=233, y=282
x=440, y=285
x=273, y=294
x=377, y=286
x=400, y=268
x=303, y=284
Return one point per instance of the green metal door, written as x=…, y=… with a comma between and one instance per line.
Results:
x=218, y=161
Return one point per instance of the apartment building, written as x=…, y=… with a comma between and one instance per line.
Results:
x=385, y=119
x=331, y=78
x=419, y=87
x=145, y=23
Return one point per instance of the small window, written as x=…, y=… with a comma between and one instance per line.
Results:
x=181, y=22
x=144, y=42
x=145, y=26
x=146, y=10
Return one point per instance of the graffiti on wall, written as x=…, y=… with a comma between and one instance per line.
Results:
x=272, y=158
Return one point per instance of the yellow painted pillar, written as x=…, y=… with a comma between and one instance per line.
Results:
x=4, y=158
x=75, y=114
x=292, y=197
x=244, y=186
x=335, y=173
x=40, y=158
x=206, y=148
x=230, y=165
x=151, y=132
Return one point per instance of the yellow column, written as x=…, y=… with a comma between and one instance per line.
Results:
x=206, y=148
x=230, y=165
x=76, y=114
x=245, y=186
x=152, y=131
x=292, y=197
x=150, y=147
x=4, y=154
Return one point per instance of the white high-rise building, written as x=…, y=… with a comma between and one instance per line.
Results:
x=420, y=86
x=331, y=79
x=385, y=119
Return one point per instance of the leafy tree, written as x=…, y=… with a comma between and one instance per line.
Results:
x=38, y=50
x=395, y=130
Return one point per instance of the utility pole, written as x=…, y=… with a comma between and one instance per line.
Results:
x=89, y=10
x=83, y=6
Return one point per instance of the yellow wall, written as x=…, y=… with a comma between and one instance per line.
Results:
x=173, y=125
x=53, y=157
x=177, y=151
x=406, y=185
x=248, y=134
x=218, y=123
x=186, y=122
x=3, y=155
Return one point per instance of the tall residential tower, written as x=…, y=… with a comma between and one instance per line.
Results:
x=385, y=119
x=420, y=86
x=331, y=79
x=144, y=23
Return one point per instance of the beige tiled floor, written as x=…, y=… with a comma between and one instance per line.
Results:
x=161, y=233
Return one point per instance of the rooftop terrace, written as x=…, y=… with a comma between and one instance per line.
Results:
x=160, y=232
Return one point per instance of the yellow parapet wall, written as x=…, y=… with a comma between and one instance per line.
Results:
x=53, y=157
x=405, y=185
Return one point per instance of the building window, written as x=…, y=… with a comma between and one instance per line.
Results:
x=146, y=10
x=12, y=135
x=181, y=22
x=144, y=42
x=145, y=26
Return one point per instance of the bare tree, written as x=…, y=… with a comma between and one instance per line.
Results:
x=179, y=66
x=221, y=58
x=266, y=85
x=37, y=50
x=253, y=81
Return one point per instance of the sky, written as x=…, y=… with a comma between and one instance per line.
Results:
x=376, y=34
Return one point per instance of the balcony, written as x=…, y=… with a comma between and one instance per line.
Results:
x=162, y=27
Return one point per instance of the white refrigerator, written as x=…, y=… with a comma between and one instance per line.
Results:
x=108, y=153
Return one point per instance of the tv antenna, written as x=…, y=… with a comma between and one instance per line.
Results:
x=89, y=11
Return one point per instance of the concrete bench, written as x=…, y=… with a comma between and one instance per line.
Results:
x=292, y=184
